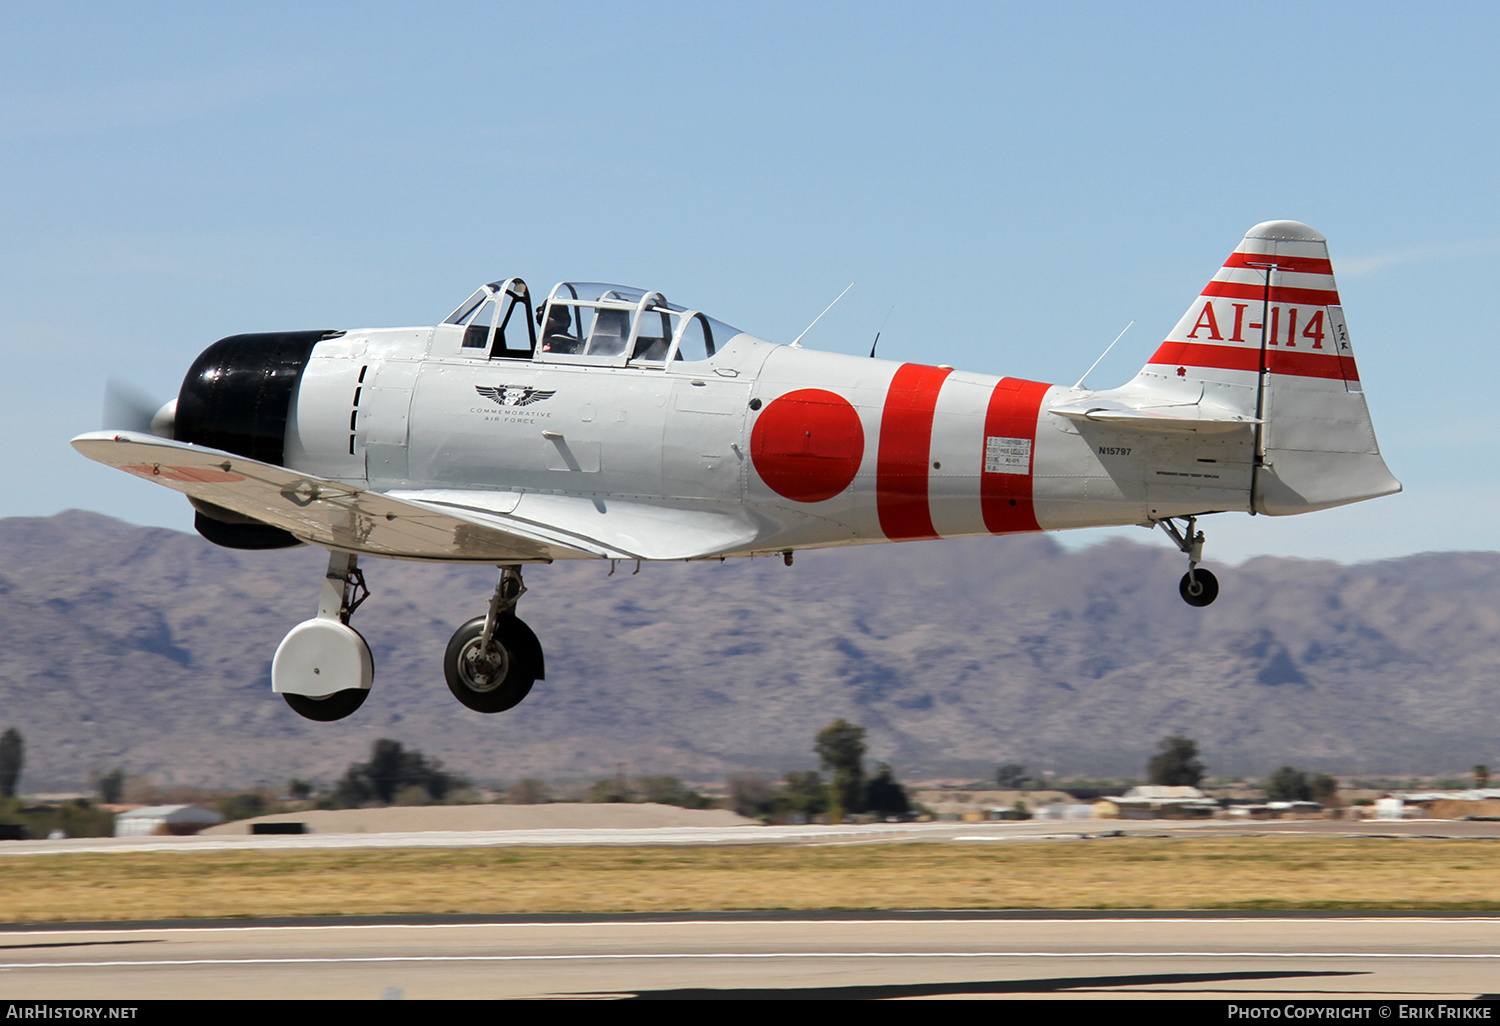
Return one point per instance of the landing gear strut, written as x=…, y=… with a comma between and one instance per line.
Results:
x=323, y=668
x=493, y=660
x=1198, y=587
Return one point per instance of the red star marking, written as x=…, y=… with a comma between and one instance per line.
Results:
x=1182, y=372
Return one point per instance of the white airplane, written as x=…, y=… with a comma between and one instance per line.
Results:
x=611, y=424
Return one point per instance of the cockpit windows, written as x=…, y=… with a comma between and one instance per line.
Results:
x=615, y=324
x=487, y=314
x=653, y=336
x=609, y=334
x=480, y=324
x=466, y=311
x=697, y=339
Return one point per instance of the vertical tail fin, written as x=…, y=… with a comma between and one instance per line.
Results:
x=1267, y=338
x=1277, y=287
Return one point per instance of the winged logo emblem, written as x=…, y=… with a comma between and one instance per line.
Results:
x=514, y=395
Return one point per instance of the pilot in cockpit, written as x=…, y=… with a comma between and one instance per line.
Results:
x=555, y=337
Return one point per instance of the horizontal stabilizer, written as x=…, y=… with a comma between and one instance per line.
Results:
x=1189, y=418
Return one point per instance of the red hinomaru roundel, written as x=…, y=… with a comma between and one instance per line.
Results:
x=807, y=445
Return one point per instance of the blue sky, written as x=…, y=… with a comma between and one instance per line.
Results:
x=1009, y=183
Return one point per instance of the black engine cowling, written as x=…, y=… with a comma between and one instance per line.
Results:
x=236, y=397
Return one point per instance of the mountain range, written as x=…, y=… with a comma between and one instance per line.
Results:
x=150, y=649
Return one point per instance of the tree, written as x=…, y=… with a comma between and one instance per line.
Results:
x=1012, y=777
x=751, y=796
x=1289, y=784
x=1481, y=777
x=668, y=790
x=841, y=746
x=1325, y=789
x=12, y=757
x=245, y=805
x=1176, y=763
x=614, y=789
x=803, y=791
x=528, y=791
x=110, y=787
x=392, y=769
x=885, y=795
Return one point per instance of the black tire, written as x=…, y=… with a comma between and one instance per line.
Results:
x=503, y=687
x=333, y=707
x=1205, y=591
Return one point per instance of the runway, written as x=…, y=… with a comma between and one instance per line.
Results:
x=882, y=955
x=963, y=833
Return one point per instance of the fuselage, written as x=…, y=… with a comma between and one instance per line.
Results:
x=818, y=448
x=636, y=426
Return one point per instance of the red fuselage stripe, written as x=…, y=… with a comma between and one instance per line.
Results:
x=1247, y=358
x=1296, y=265
x=901, y=468
x=1279, y=293
x=1006, y=499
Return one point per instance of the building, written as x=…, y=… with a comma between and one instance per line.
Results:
x=1156, y=801
x=153, y=820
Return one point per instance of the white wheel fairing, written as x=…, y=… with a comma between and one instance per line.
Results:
x=320, y=657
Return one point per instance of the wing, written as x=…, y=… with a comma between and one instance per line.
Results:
x=450, y=524
x=613, y=528
x=328, y=513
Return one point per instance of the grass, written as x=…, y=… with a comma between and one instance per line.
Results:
x=1114, y=873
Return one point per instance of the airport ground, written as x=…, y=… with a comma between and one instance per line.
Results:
x=1242, y=958
x=1253, y=911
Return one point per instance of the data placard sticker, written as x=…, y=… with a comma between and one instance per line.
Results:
x=1007, y=455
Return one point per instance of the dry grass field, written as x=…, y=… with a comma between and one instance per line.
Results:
x=1117, y=873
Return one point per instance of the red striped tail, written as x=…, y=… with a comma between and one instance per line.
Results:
x=1274, y=307
x=1276, y=291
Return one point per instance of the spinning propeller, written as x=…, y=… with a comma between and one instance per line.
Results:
x=126, y=409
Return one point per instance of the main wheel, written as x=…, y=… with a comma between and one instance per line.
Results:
x=495, y=681
x=1199, y=588
x=327, y=652
x=330, y=707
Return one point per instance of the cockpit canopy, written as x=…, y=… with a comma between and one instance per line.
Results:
x=588, y=322
x=488, y=315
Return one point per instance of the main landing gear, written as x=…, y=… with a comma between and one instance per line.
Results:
x=324, y=669
x=1198, y=587
x=493, y=660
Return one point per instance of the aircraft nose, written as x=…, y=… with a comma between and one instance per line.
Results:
x=237, y=394
x=164, y=422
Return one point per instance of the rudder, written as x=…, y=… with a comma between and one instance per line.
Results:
x=1267, y=338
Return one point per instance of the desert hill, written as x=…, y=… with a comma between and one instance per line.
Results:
x=150, y=649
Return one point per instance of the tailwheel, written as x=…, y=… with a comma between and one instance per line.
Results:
x=495, y=677
x=1199, y=587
